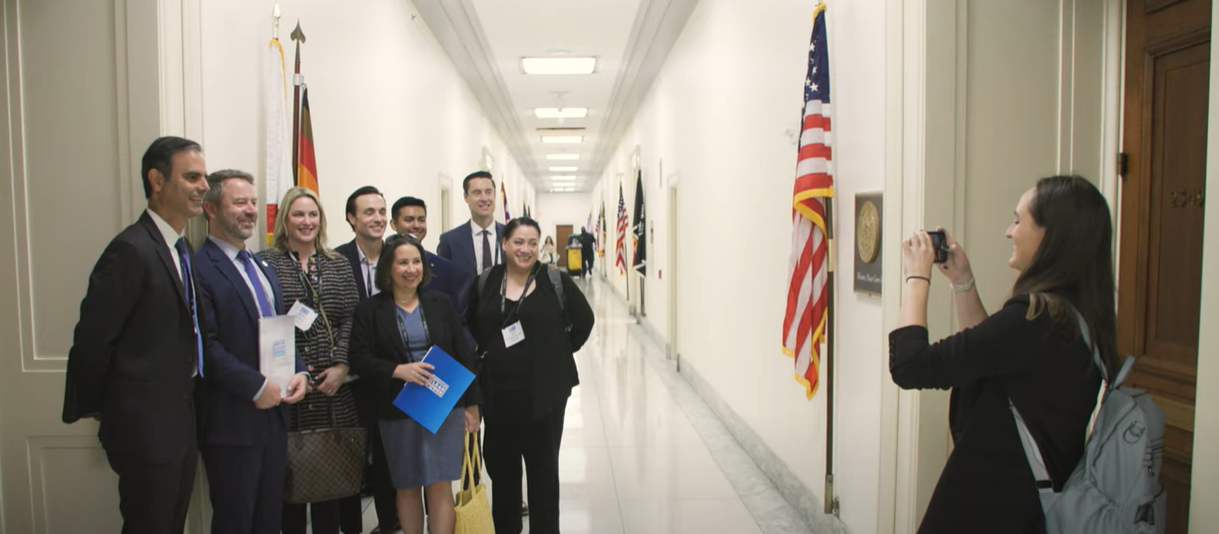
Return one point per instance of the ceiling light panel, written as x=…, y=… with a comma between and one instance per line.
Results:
x=558, y=65
x=563, y=178
x=564, y=169
x=557, y=113
x=562, y=139
x=562, y=157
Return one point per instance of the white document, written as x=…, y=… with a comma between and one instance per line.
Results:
x=277, y=350
x=303, y=316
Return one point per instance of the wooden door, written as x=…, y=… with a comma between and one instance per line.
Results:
x=1160, y=262
x=561, y=235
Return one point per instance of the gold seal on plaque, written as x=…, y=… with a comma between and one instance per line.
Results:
x=867, y=232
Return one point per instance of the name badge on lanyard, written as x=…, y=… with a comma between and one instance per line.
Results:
x=513, y=333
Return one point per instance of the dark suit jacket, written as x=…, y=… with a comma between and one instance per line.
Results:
x=443, y=276
x=133, y=352
x=457, y=245
x=377, y=347
x=231, y=350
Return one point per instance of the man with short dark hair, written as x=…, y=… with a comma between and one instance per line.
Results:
x=410, y=217
x=367, y=217
x=475, y=246
x=137, y=347
x=245, y=435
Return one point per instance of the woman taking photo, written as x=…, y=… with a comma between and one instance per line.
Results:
x=316, y=277
x=1032, y=351
x=392, y=333
x=549, y=256
x=527, y=338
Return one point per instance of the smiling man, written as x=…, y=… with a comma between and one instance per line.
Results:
x=138, y=349
x=410, y=218
x=474, y=247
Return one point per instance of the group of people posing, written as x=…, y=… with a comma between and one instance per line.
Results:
x=167, y=349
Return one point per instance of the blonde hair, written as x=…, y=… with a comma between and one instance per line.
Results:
x=280, y=239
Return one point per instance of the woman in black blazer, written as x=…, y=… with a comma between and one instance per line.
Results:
x=392, y=332
x=526, y=382
x=1031, y=353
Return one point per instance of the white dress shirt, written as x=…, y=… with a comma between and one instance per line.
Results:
x=493, y=236
x=368, y=270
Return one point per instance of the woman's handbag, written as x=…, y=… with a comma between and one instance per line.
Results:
x=473, y=509
x=325, y=464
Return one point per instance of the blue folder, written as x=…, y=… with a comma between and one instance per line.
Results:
x=430, y=405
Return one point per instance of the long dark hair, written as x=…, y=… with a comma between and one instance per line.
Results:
x=1074, y=263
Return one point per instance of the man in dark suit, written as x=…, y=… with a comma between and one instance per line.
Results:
x=245, y=432
x=410, y=218
x=475, y=246
x=367, y=216
x=137, y=347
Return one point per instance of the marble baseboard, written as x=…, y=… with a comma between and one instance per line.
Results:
x=786, y=485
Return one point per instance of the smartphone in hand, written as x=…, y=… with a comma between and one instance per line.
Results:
x=939, y=242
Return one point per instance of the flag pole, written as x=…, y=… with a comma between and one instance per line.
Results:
x=297, y=81
x=831, y=502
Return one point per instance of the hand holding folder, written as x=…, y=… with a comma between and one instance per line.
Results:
x=430, y=405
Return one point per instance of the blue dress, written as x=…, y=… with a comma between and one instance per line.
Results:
x=416, y=457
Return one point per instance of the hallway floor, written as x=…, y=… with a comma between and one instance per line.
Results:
x=642, y=453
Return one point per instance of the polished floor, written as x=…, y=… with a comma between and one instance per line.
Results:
x=642, y=454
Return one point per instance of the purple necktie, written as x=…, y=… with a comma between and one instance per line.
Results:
x=188, y=289
x=251, y=272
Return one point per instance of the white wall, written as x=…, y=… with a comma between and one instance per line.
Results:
x=554, y=209
x=723, y=138
x=1204, y=492
x=388, y=108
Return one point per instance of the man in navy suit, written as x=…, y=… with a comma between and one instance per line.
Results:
x=410, y=218
x=245, y=432
x=367, y=217
x=137, y=351
x=475, y=246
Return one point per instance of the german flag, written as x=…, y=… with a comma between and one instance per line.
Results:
x=306, y=164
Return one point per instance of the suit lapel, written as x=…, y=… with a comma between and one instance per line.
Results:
x=388, y=322
x=162, y=249
x=224, y=264
x=468, y=244
x=273, y=278
x=357, y=270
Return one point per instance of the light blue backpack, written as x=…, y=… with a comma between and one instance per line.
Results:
x=1115, y=489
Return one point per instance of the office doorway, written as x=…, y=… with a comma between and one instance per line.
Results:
x=1160, y=258
x=672, y=266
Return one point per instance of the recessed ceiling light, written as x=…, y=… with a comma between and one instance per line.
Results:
x=563, y=178
x=563, y=190
x=562, y=139
x=560, y=113
x=558, y=65
x=562, y=157
x=564, y=169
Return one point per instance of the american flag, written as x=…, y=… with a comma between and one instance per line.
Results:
x=504, y=194
x=620, y=260
x=808, y=291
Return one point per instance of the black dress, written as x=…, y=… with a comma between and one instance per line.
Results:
x=1046, y=370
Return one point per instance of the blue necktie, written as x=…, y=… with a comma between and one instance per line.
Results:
x=260, y=295
x=188, y=290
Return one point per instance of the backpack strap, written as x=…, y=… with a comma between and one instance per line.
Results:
x=556, y=279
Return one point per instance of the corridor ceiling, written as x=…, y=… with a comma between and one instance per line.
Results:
x=487, y=39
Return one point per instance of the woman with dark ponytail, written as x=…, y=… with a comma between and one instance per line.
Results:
x=1033, y=354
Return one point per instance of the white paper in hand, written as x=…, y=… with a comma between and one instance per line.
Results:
x=277, y=350
x=303, y=316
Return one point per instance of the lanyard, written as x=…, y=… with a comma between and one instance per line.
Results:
x=406, y=339
x=503, y=294
x=312, y=292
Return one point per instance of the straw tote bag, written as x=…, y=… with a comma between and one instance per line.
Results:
x=473, y=509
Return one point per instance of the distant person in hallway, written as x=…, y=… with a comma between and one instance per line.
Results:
x=137, y=349
x=392, y=332
x=473, y=247
x=244, y=437
x=549, y=255
x=367, y=217
x=588, y=251
x=322, y=280
x=527, y=339
x=1032, y=351
x=410, y=218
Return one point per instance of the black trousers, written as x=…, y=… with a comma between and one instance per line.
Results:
x=385, y=497
x=537, y=441
x=325, y=517
x=247, y=483
x=154, y=498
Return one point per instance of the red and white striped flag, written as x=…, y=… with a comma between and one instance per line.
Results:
x=804, y=322
x=620, y=248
